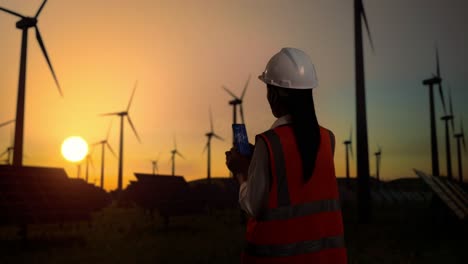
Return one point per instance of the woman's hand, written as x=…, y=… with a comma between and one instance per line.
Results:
x=237, y=163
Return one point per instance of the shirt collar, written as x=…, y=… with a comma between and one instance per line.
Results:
x=283, y=120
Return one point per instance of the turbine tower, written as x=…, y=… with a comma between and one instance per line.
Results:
x=235, y=102
x=378, y=156
x=103, y=144
x=122, y=115
x=173, y=153
x=349, y=148
x=363, y=193
x=435, y=80
x=460, y=137
x=446, y=118
x=210, y=135
x=24, y=24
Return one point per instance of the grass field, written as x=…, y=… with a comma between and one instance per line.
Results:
x=127, y=235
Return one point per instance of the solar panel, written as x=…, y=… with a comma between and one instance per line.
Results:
x=453, y=197
x=386, y=196
x=444, y=193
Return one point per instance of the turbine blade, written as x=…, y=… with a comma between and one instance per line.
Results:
x=91, y=161
x=437, y=61
x=229, y=92
x=110, y=148
x=131, y=98
x=242, y=113
x=451, y=110
x=5, y=152
x=40, y=9
x=11, y=12
x=245, y=87
x=211, y=120
x=44, y=51
x=205, y=148
x=218, y=137
x=441, y=92
x=438, y=75
x=351, y=134
x=351, y=150
x=108, y=114
x=133, y=128
x=364, y=16
x=175, y=143
x=180, y=154
x=6, y=123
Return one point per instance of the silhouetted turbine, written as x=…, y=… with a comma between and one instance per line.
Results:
x=435, y=80
x=363, y=194
x=9, y=150
x=173, y=153
x=122, y=115
x=103, y=144
x=348, y=147
x=237, y=101
x=378, y=156
x=460, y=137
x=154, y=163
x=210, y=135
x=24, y=24
x=446, y=119
x=89, y=160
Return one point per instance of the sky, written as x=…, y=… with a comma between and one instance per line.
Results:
x=182, y=52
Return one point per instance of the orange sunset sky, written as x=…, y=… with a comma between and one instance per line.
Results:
x=182, y=52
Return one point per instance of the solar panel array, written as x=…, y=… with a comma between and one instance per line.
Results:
x=172, y=195
x=449, y=192
x=37, y=195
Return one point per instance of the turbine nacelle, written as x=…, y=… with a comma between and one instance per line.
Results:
x=432, y=81
x=26, y=22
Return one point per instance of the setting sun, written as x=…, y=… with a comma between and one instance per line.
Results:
x=74, y=149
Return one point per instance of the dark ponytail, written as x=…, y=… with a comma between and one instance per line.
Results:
x=300, y=106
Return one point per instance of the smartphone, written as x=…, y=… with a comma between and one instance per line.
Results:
x=240, y=139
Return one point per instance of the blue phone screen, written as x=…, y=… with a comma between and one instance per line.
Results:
x=240, y=139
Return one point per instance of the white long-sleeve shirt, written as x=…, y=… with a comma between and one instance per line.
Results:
x=253, y=194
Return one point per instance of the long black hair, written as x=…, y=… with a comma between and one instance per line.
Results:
x=300, y=105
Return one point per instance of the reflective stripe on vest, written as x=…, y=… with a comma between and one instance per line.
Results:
x=287, y=212
x=293, y=249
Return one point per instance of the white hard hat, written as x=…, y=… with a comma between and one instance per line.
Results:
x=290, y=68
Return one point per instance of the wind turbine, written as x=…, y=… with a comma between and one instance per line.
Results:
x=435, y=80
x=235, y=102
x=122, y=115
x=103, y=144
x=24, y=24
x=446, y=118
x=7, y=152
x=89, y=160
x=363, y=193
x=173, y=153
x=460, y=137
x=155, y=164
x=9, y=149
x=210, y=135
x=349, y=148
x=378, y=156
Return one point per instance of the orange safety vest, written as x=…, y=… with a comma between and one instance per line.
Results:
x=303, y=221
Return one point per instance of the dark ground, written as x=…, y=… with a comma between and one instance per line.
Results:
x=127, y=235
